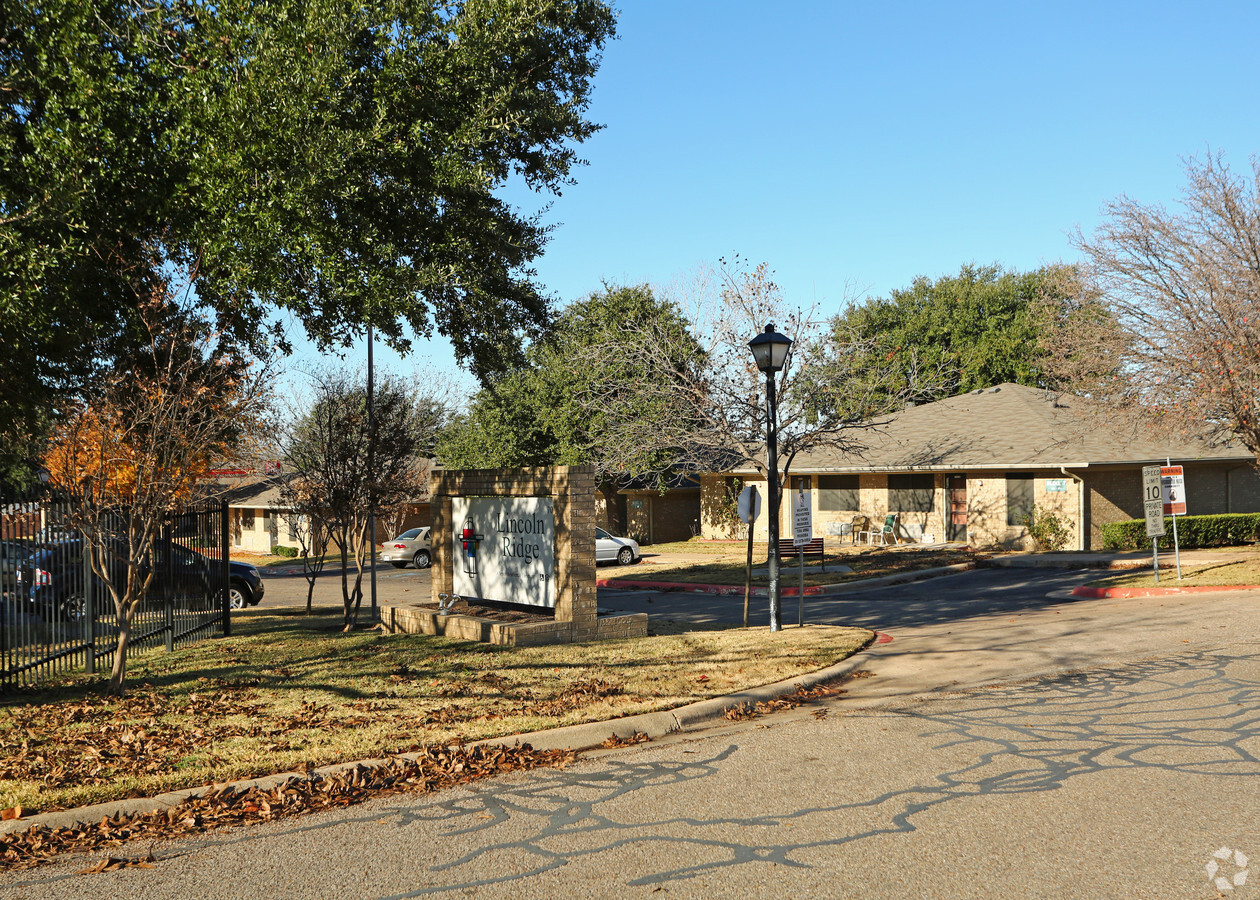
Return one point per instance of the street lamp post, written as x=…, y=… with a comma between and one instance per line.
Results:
x=770, y=350
x=371, y=411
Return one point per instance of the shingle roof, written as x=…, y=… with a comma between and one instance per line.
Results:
x=1006, y=427
x=250, y=491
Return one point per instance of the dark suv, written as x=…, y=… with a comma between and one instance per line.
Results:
x=52, y=580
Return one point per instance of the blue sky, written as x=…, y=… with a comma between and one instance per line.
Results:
x=867, y=144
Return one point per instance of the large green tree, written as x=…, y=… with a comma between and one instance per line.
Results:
x=960, y=332
x=333, y=160
x=549, y=413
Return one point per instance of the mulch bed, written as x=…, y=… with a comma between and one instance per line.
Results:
x=498, y=614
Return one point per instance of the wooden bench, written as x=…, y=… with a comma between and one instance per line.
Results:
x=788, y=550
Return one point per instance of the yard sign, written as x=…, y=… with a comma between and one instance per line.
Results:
x=802, y=520
x=1173, y=484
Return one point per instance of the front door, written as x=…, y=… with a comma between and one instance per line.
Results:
x=956, y=527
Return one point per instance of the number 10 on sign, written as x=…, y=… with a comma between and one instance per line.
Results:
x=1153, y=506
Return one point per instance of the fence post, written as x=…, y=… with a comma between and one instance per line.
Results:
x=89, y=611
x=168, y=585
x=226, y=570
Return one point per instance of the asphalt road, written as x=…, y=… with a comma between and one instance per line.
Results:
x=1005, y=744
x=286, y=586
x=936, y=600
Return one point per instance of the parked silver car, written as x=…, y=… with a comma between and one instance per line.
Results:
x=609, y=548
x=412, y=546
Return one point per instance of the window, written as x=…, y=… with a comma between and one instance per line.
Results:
x=838, y=493
x=911, y=493
x=247, y=519
x=1019, y=497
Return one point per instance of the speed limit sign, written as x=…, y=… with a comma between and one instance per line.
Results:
x=1153, y=501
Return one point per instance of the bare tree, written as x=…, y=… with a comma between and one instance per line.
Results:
x=308, y=523
x=130, y=449
x=707, y=407
x=1165, y=326
x=340, y=466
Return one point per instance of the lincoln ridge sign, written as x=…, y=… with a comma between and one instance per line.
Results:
x=505, y=549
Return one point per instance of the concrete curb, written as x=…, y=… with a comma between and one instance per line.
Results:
x=670, y=721
x=1076, y=561
x=569, y=737
x=1094, y=593
x=817, y=590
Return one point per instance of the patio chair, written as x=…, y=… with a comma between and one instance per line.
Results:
x=889, y=529
x=846, y=529
x=863, y=530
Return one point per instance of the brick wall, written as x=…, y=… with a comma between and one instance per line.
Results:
x=1244, y=489
x=673, y=514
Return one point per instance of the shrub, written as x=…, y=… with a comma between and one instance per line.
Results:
x=287, y=552
x=1223, y=530
x=1049, y=530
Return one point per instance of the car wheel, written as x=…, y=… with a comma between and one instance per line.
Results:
x=73, y=607
x=625, y=556
x=401, y=565
x=422, y=559
x=238, y=597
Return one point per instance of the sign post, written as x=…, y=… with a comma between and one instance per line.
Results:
x=1173, y=483
x=749, y=509
x=802, y=534
x=1153, y=506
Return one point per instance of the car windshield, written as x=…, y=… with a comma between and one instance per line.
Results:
x=410, y=535
x=601, y=534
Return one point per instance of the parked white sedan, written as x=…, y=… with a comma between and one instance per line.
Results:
x=413, y=546
x=608, y=548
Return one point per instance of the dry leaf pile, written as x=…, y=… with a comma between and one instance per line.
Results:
x=799, y=697
x=612, y=741
x=433, y=769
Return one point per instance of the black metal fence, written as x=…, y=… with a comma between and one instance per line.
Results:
x=57, y=615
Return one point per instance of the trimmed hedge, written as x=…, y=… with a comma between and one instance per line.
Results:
x=1226, y=530
x=288, y=552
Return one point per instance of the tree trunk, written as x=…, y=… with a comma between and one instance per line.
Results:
x=118, y=673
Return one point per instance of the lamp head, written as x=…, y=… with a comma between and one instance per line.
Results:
x=770, y=349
